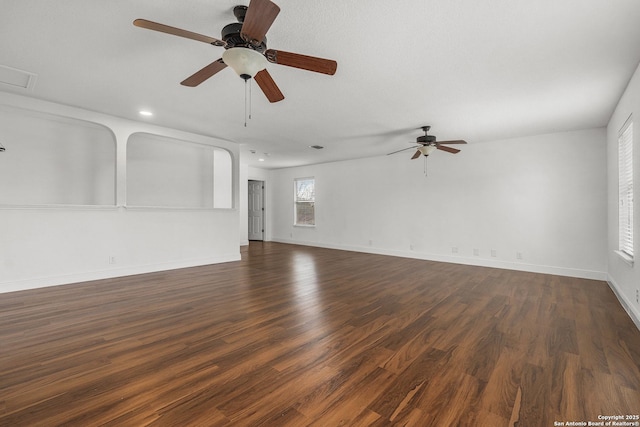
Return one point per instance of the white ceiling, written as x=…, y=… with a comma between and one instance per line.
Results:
x=475, y=70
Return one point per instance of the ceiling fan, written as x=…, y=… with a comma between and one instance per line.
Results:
x=246, y=49
x=428, y=144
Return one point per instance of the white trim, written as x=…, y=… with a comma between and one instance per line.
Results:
x=29, y=77
x=42, y=282
x=505, y=265
x=61, y=207
x=174, y=208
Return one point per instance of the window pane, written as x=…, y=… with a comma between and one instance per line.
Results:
x=305, y=190
x=625, y=189
x=305, y=195
x=305, y=213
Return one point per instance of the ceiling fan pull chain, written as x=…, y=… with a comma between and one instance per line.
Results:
x=245, y=103
x=250, y=97
x=247, y=112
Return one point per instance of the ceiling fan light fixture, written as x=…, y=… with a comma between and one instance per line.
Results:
x=244, y=61
x=427, y=149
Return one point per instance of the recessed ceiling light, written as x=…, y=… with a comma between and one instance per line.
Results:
x=145, y=113
x=261, y=160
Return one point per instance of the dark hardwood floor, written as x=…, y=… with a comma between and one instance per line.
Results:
x=297, y=336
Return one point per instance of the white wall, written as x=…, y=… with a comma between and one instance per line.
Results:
x=543, y=197
x=48, y=245
x=625, y=278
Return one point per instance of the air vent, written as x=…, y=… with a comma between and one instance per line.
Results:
x=317, y=147
x=17, y=79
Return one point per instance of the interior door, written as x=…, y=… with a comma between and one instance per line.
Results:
x=256, y=210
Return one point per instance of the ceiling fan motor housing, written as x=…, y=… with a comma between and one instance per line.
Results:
x=426, y=139
x=231, y=35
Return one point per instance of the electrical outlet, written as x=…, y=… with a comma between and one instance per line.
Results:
x=518, y=255
x=370, y=242
x=494, y=253
x=112, y=260
x=476, y=252
x=454, y=250
x=637, y=296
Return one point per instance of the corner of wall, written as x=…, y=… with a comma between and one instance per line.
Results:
x=633, y=313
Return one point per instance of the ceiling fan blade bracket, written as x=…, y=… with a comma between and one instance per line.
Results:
x=252, y=42
x=272, y=56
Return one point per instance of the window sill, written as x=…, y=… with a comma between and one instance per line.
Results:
x=626, y=258
x=305, y=225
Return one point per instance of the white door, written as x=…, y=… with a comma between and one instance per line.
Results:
x=256, y=210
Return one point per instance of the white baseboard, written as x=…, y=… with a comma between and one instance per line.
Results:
x=627, y=304
x=41, y=282
x=480, y=262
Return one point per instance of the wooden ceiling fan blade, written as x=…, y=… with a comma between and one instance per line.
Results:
x=260, y=15
x=447, y=149
x=304, y=62
x=205, y=73
x=455, y=141
x=416, y=155
x=398, y=151
x=268, y=86
x=150, y=25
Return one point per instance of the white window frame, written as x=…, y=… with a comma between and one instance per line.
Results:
x=311, y=201
x=625, y=191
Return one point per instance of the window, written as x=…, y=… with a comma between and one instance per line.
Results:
x=625, y=189
x=305, y=200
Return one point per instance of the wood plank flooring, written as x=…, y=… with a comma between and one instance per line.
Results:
x=300, y=336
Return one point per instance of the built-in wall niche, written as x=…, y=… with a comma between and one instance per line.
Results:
x=52, y=160
x=171, y=173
